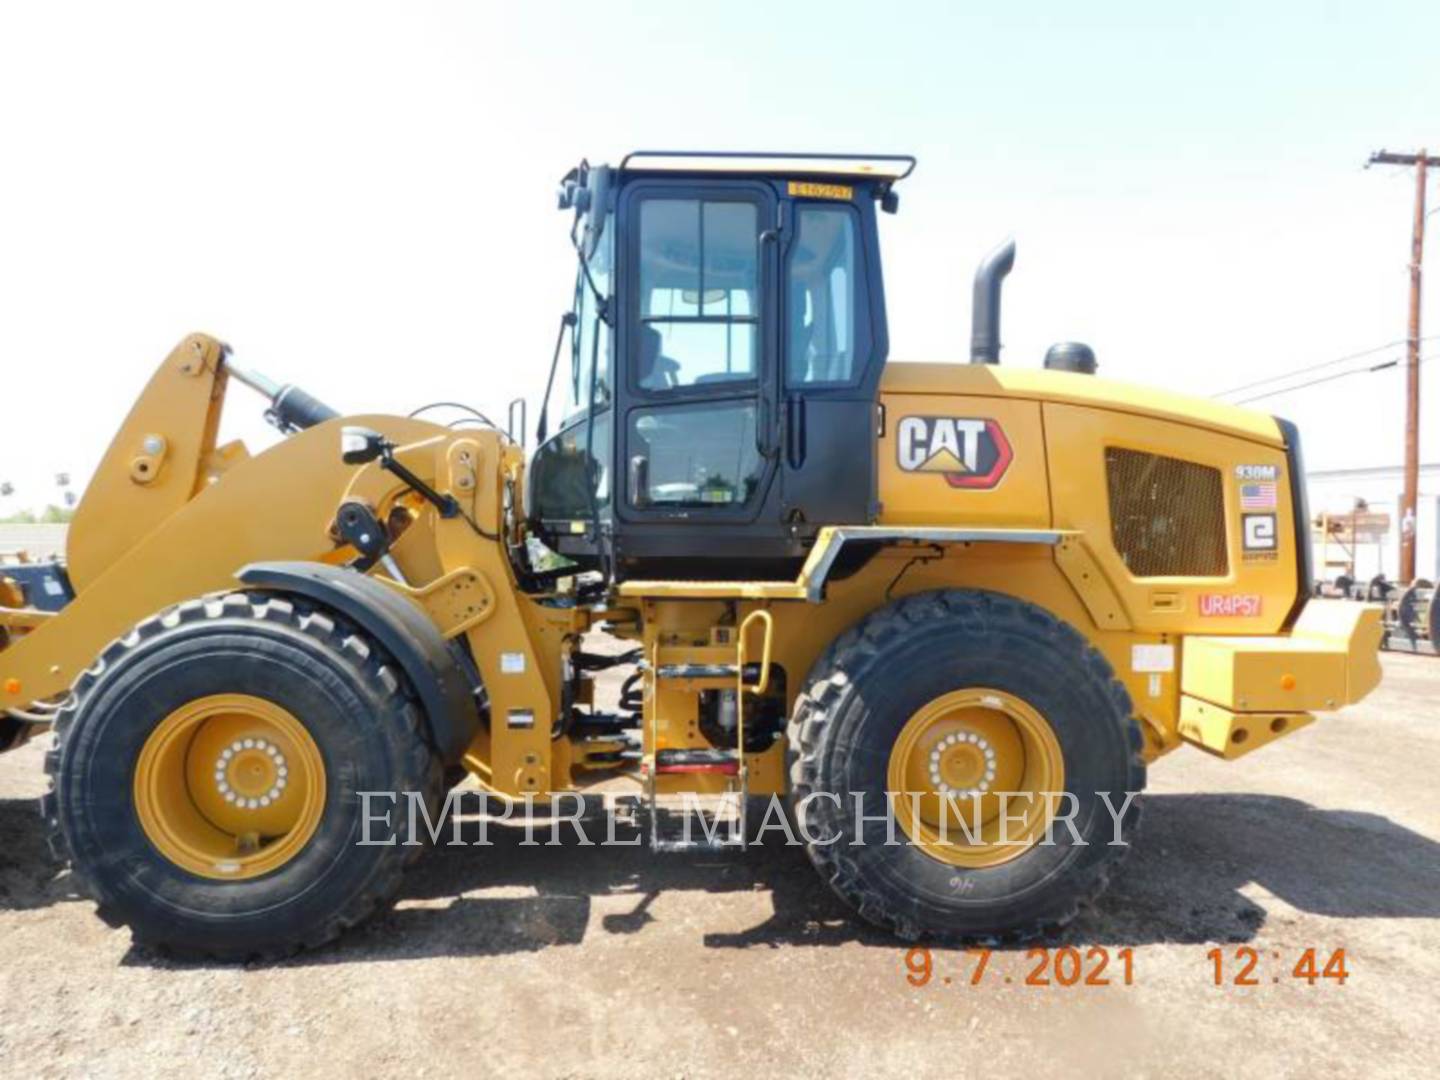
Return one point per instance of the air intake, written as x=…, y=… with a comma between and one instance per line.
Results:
x=1071, y=356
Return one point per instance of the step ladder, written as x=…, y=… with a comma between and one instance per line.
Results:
x=725, y=828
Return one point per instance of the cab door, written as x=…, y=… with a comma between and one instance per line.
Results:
x=697, y=439
x=834, y=351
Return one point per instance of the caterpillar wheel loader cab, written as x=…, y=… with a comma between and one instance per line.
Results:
x=729, y=340
x=950, y=612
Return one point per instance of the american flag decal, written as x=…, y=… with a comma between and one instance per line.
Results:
x=1257, y=496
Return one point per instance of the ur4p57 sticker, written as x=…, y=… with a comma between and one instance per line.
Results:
x=969, y=452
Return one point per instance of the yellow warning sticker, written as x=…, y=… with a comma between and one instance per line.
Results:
x=806, y=190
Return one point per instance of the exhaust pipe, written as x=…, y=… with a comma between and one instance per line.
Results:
x=985, y=308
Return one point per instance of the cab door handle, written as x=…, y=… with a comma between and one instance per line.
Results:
x=766, y=407
x=765, y=441
x=795, y=432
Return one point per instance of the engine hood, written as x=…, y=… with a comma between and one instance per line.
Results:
x=985, y=380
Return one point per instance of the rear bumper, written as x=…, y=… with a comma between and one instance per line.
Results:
x=1239, y=693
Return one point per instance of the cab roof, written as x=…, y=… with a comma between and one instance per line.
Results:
x=888, y=167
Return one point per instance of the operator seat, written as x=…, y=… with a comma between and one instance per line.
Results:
x=657, y=371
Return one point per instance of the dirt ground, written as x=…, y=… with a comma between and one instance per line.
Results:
x=612, y=961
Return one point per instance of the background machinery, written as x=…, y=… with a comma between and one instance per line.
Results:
x=1411, y=619
x=995, y=594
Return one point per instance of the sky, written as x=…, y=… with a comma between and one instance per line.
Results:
x=359, y=197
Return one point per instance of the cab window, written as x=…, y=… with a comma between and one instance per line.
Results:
x=701, y=455
x=821, y=284
x=699, y=293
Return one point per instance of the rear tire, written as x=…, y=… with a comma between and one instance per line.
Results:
x=363, y=732
x=863, y=699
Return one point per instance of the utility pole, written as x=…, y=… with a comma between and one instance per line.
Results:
x=1412, y=362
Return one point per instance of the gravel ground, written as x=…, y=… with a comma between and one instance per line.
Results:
x=612, y=961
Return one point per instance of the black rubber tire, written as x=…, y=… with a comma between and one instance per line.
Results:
x=864, y=689
x=352, y=700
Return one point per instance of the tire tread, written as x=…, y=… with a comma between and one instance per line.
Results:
x=813, y=716
x=344, y=645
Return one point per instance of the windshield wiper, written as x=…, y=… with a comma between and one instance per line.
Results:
x=602, y=302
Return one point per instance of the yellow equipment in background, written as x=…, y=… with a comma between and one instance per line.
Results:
x=903, y=596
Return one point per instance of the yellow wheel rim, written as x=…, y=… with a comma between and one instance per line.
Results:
x=230, y=786
x=964, y=758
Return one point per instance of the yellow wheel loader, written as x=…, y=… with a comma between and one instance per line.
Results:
x=950, y=612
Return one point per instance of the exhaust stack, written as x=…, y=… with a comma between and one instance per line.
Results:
x=985, y=311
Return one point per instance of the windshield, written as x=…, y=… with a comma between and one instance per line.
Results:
x=591, y=341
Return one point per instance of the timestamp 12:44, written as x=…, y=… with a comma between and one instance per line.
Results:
x=1241, y=967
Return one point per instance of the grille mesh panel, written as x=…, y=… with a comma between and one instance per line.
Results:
x=1167, y=516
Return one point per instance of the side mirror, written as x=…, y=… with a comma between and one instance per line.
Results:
x=360, y=446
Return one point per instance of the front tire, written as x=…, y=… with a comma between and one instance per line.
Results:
x=207, y=779
x=963, y=695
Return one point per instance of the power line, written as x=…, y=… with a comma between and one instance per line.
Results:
x=1328, y=378
x=1317, y=367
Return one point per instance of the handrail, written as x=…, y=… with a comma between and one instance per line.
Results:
x=823, y=163
x=764, y=682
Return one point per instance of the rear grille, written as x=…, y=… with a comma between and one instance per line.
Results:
x=1167, y=516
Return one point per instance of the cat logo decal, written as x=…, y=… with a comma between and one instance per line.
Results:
x=971, y=453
